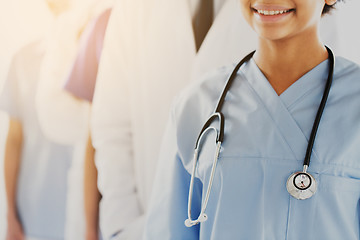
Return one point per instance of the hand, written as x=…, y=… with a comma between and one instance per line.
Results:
x=92, y=235
x=14, y=229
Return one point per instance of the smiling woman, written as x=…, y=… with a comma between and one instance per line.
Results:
x=279, y=109
x=290, y=36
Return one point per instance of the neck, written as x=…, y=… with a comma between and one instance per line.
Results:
x=285, y=61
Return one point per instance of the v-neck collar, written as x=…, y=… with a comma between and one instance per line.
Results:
x=304, y=85
x=277, y=106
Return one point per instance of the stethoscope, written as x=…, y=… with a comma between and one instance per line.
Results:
x=301, y=184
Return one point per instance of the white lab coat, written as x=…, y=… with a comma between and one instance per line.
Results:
x=147, y=58
x=149, y=55
x=59, y=114
x=41, y=186
x=63, y=118
x=15, y=19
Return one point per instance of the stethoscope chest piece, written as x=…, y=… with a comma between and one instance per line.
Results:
x=301, y=185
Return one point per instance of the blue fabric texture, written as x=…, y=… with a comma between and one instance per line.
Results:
x=266, y=136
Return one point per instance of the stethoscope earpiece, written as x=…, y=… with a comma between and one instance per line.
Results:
x=188, y=223
x=202, y=218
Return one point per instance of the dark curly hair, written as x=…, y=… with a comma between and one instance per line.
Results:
x=329, y=8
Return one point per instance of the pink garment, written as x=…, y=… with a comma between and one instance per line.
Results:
x=82, y=78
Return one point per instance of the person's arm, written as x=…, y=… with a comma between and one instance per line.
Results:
x=11, y=167
x=91, y=194
x=111, y=126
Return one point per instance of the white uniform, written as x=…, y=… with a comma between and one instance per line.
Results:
x=64, y=118
x=41, y=188
x=15, y=32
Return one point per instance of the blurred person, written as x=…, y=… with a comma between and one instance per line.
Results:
x=16, y=33
x=35, y=167
x=63, y=118
x=152, y=49
x=81, y=83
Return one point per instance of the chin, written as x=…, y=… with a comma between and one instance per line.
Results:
x=273, y=35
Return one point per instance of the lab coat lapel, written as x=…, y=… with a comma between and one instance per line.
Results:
x=228, y=40
x=167, y=54
x=170, y=22
x=279, y=113
x=169, y=51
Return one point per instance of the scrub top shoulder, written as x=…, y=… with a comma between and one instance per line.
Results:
x=265, y=141
x=41, y=189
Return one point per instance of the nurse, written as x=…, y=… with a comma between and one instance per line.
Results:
x=70, y=124
x=35, y=167
x=269, y=113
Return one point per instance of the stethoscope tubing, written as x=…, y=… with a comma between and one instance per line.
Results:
x=220, y=135
x=321, y=108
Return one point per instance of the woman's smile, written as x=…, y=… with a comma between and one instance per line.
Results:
x=270, y=13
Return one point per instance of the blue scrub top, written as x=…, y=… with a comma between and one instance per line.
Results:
x=265, y=141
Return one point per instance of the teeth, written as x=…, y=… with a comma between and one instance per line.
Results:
x=272, y=12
